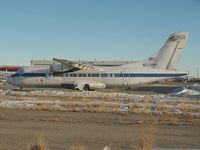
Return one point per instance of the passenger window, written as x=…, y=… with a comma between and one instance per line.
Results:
x=104, y=75
x=120, y=75
x=126, y=75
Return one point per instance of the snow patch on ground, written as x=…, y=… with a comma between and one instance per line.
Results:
x=183, y=100
x=192, y=91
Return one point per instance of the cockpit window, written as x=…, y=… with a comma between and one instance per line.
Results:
x=20, y=71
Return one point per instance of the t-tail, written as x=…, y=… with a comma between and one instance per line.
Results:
x=168, y=56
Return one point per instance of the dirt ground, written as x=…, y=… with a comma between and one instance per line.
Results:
x=61, y=130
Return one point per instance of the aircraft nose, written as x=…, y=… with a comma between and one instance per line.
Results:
x=10, y=80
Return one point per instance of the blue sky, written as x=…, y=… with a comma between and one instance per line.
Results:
x=96, y=29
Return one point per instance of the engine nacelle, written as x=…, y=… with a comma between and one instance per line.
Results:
x=95, y=85
x=89, y=85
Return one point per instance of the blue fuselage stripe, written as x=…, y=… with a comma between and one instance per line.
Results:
x=154, y=75
x=112, y=75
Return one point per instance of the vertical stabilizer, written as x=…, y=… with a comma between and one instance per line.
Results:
x=170, y=53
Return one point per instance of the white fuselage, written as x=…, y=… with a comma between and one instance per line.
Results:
x=108, y=77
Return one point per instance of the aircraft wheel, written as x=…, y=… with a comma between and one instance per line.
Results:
x=86, y=87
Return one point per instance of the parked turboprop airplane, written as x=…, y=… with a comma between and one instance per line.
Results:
x=86, y=77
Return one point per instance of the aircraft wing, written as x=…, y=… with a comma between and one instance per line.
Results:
x=80, y=66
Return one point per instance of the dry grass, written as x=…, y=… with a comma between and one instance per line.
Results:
x=188, y=117
x=147, y=140
x=104, y=104
x=77, y=147
x=39, y=144
x=49, y=107
x=145, y=143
